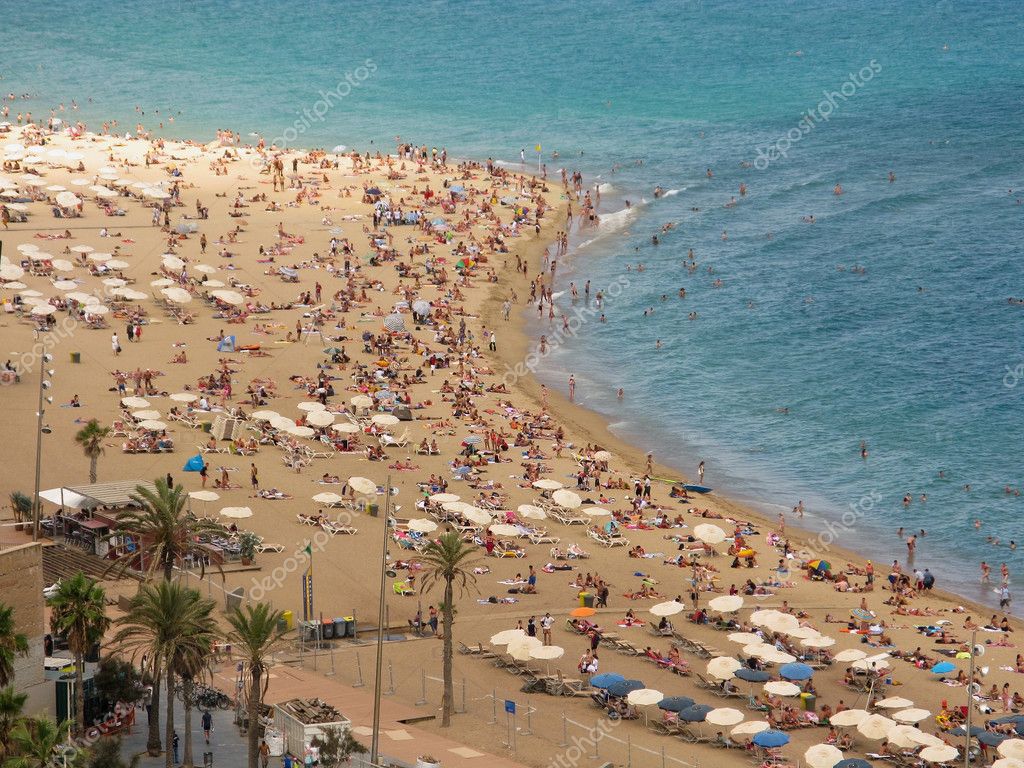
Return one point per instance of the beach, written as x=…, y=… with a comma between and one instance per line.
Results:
x=322, y=203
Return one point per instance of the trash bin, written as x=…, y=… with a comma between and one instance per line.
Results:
x=234, y=599
x=373, y=509
x=350, y=626
x=340, y=627
x=76, y=357
x=584, y=596
x=285, y=623
x=327, y=630
x=207, y=426
x=588, y=600
x=807, y=701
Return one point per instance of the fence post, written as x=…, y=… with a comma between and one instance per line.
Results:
x=423, y=689
x=629, y=751
x=529, y=709
x=391, y=681
x=359, y=674
x=463, y=710
x=494, y=706
x=331, y=673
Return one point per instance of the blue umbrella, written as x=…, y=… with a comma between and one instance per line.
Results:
x=623, y=687
x=772, y=738
x=753, y=675
x=695, y=714
x=975, y=730
x=675, y=703
x=991, y=739
x=605, y=679
x=943, y=667
x=1008, y=719
x=852, y=762
x=796, y=671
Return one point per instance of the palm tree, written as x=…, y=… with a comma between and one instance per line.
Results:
x=91, y=438
x=163, y=529
x=36, y=743
x=12, y=644
x=166, y=622
x=254, y=636
x=78, y=613
x=448, y=560
x=11, y=703
x=191, y=659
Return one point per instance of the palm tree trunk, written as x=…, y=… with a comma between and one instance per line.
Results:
x=255, y=689
x=187, y=687
x=80, y=693
x=153, y=739
x=93, y=461
x=169, y=731
x=446, y=656
x=168, y=568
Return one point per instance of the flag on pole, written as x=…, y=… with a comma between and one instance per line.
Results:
x=538, y=147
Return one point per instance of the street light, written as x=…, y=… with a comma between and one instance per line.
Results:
x=375, y=741
x=41, y=429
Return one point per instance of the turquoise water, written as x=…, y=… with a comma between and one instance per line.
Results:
x=912, y=356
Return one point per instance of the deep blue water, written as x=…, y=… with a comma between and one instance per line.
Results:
x=913, y=355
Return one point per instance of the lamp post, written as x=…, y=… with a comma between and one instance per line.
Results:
x=970, y=702
x=41, y=429
x=375, y=741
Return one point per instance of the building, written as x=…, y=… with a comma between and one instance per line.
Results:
x=21, y=588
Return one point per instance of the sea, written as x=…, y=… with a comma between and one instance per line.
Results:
x=813, y=323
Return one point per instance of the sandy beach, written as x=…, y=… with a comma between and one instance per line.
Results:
x=274, y=239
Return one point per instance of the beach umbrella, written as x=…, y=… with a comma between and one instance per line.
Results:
x=43, y=309
x=444, y=498
x=975, y=730
x=118, y=264
x=363, y=485
x=206, y=269
x=643, y=697
x=68, y=199
x=936, y=754
x=546, y=484
x=597, y=681
x=11, y=272
x=507, y=636
x=65, y=285
x=852, y=654
x=726, y=603
x=184, y=397
x=870, y=664
x=204, y=495
x=177, y=295
x=171, y=261
x=96, y=309
x=62, y=265
x=894, y=702
x=14, y=286
x=582, y=612
x=724, y=716
x=345, y=428
x=771, y=738
x=908, y=716
x=695, y=714
x=501, y=529
x=422, y=525
x=760, y=617
x=781, y=688
x=602, y=456
x=300, y=431
x=282, y=422
x=991, y=739
x=744, y=638
x=783, y=623
x=669, y=608
x=943, y=667
x=547, y=652
x=238, y=513
x=758, y=649
x=849, y=717
x=861, y=614
x=875, y=726
x=128, y=293
x=818, y=642
x=595, y=511
x=723, y=667
x=477, y=515
x=134, y=402
x=566, y=498
x=421, y=307
x=796, y=671
x=394, y=323
x=1008, y=762
x=853, y=762
x=623, y=687
x=320, y=418
x=750, y=727
x=822, y=756
x=262, y=415
x=114, y=282
x=328, y=498
x=775, y=656
x=472, y=440
x=361, y=401
x=709, y=534
x=753, y=675
x=99, y=258
x=902, y=736
x=384, y=419
x=143, y=415
x=1013, y=748
x=163, y=282
x=531, y=512
x=152, y=424
x=234, y=298
x=676, y=703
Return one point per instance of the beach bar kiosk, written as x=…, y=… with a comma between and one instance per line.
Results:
x=302, y=720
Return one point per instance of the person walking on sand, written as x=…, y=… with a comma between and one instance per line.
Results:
x=700, y=471
x=254, y=475
x=207, y=721
x=264, y=754
x=115, y=345
x=572, y=387
x=545, y=628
